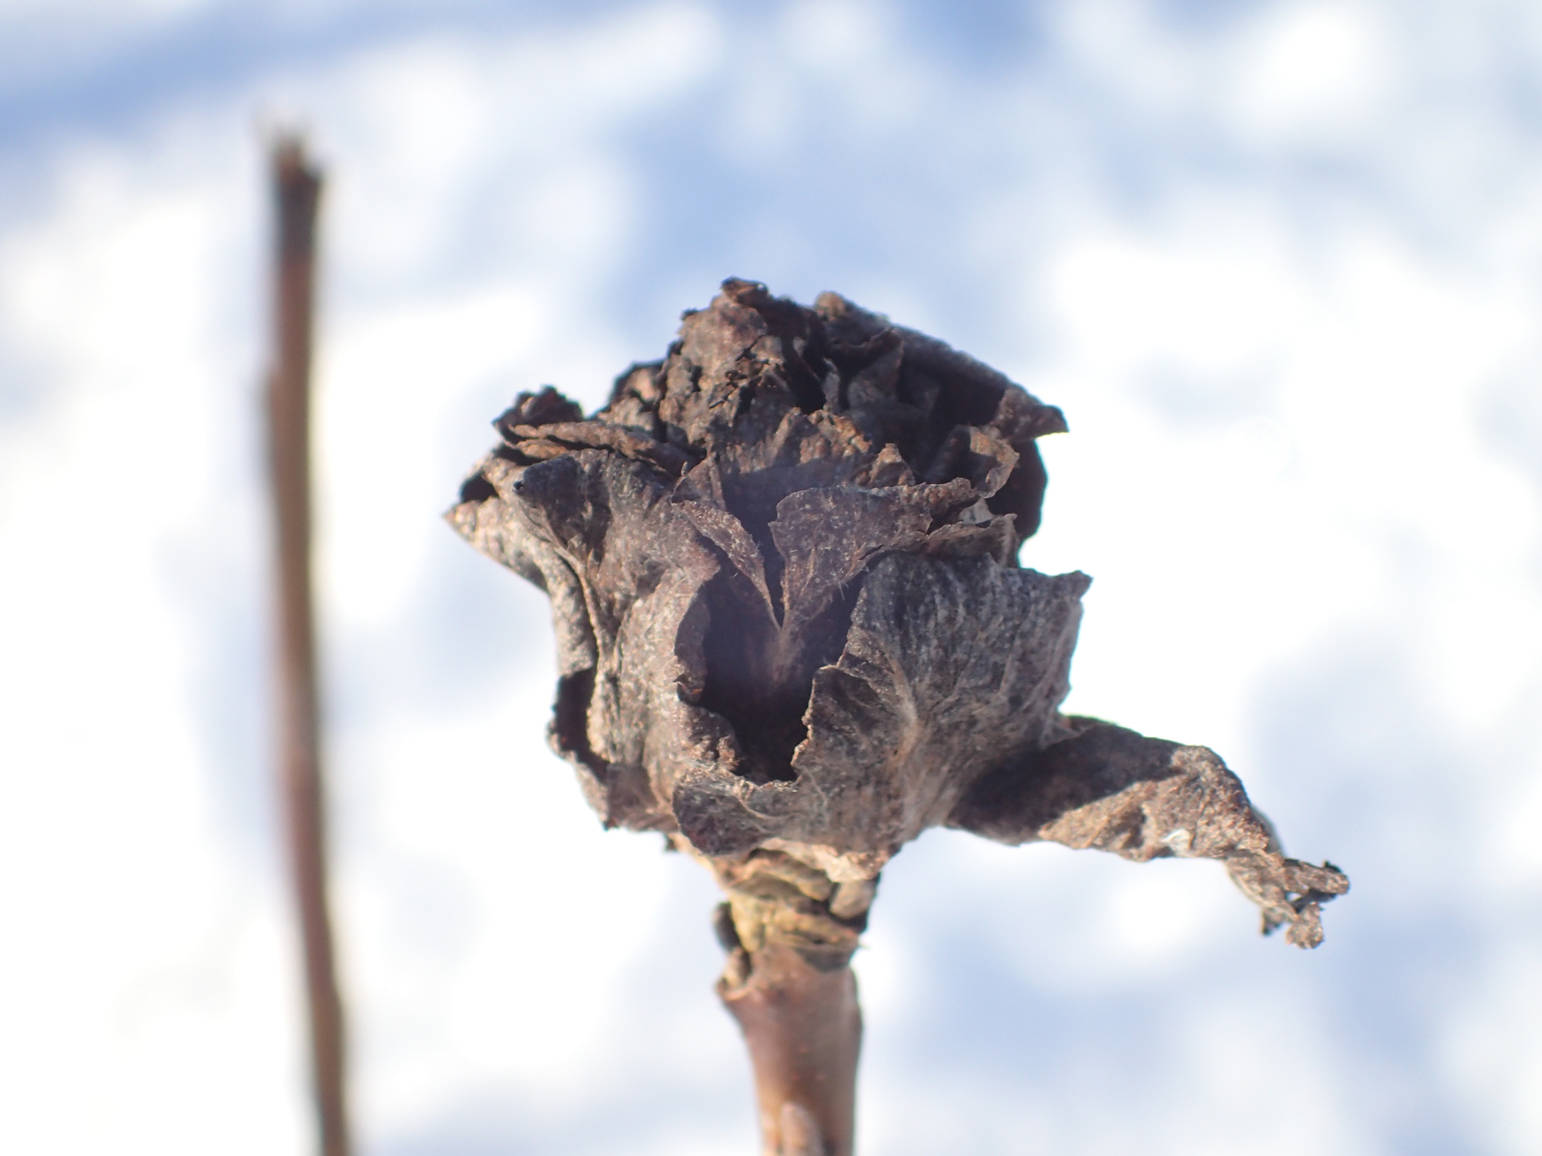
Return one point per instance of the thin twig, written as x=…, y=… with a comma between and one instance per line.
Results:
x=297, y=188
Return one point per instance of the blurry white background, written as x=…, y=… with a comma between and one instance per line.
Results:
x=1280, y=264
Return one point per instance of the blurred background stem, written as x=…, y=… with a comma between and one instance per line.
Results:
x=296, y=189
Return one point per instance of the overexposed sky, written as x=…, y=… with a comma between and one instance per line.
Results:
x=1280, y=264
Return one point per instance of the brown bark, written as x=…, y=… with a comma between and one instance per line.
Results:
x=803, y=1028
x=297, y=188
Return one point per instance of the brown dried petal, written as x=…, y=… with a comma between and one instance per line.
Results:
x=827, y=537
x=625, y=571
x=539, y=408
x=766, y=387
x=949, y=668
x=576, y=435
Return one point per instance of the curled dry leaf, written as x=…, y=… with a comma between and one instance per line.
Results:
x=793, y=632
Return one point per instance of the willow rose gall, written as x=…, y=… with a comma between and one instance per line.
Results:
x=793, y=632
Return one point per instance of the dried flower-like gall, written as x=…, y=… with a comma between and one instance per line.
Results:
x=793, y=632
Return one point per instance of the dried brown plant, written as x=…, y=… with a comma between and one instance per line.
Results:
x=793, y=633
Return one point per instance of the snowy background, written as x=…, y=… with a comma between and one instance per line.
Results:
x=1280, y=264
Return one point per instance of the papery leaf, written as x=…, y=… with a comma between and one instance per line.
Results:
x=1115, y=790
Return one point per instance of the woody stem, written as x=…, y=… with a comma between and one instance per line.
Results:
x=796, y=1004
